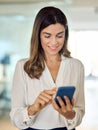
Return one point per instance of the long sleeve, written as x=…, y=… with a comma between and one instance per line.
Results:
x=79, y=106
x=19, y=114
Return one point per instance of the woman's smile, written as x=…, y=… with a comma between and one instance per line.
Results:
x=52, y=39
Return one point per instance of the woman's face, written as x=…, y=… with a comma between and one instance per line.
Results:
x=52, y=39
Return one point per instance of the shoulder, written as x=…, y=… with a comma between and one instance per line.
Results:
x=76, y=62
x=20, y=63
x=19, y=69
x=73, y=62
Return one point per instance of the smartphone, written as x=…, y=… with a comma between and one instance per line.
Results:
x=65, y=91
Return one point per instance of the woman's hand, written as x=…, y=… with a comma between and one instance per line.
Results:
x=44, y=98
x=65, y=110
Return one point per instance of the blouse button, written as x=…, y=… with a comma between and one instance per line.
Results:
x=25, y=122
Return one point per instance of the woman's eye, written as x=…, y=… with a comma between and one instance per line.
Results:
x=59, y=36
x=48, y=36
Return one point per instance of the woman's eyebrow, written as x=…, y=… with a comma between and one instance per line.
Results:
x=50, y=33
x=60, y=32
x=47, y=33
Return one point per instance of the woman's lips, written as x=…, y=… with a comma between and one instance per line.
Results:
x=53, y=47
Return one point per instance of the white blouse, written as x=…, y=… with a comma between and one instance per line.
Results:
x=25, y=90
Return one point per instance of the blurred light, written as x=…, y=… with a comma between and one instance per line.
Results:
x=96, y=10
x=69, y=1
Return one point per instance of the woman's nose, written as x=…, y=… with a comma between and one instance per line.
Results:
x=54, y=41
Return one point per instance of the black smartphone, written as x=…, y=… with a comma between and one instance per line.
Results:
x=65, y=91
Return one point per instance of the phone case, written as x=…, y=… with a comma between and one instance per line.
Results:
x=65, y=91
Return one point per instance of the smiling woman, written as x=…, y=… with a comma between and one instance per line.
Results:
x=37, y=78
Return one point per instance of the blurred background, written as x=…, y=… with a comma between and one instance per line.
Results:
x=16, y=23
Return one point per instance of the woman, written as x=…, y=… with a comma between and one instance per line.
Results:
x=36, y=79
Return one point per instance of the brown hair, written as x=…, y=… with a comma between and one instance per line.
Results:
x=45, y=17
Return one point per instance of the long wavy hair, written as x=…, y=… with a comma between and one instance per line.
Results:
x=45, y=17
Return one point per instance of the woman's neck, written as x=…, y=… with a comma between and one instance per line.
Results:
x=52, y=59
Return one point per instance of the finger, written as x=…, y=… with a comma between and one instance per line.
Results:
x=61, y=109
x=47, y=94
x=68, y=103
x=72, y=101
x=60, y=101
x=41, y=102
x=55, y=105
x=50, y=92
x=44, y=97
x=55, y=88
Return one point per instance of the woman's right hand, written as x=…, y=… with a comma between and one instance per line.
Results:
x=44, y=98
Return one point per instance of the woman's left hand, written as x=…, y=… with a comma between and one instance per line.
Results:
x=66, y=110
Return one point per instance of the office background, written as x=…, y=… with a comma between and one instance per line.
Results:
x=16, y=23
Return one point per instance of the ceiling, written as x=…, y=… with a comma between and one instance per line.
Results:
x=82, y=14
x=87, y=3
